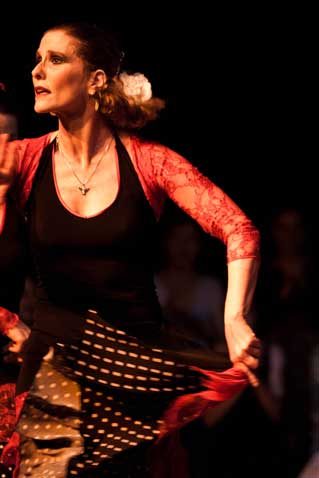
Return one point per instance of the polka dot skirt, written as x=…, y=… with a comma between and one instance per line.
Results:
x=95, y=406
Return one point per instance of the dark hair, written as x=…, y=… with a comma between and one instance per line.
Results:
x=100, y=49
x=97, y=47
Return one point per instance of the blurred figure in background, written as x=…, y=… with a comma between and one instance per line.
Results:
x=191, y=290
x=8, y=114
x=285, y=296
x=192, y=301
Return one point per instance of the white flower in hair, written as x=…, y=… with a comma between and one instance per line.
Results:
x=136, y=86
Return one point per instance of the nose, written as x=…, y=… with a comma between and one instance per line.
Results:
x=38, y=71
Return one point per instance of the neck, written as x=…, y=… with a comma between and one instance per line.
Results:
x=84, y=182
x=84, y=144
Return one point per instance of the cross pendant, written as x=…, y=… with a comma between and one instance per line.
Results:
x=84, y=190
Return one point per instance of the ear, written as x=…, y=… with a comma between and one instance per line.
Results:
x=97, y=80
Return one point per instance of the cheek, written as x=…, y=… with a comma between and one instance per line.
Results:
x=69, y=80
x=71, y=92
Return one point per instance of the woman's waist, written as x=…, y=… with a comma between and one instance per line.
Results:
x=65, y=316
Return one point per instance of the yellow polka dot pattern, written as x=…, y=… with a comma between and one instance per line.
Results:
x=95, y=401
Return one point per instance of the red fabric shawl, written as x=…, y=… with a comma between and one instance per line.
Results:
x=169, y=459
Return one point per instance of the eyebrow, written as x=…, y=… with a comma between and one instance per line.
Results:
x=53, y=52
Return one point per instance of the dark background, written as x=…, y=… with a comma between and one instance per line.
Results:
x=238, y=83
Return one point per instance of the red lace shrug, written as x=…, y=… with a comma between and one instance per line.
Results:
x=163, y=173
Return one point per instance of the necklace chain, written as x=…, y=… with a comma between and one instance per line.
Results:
x=83, y=189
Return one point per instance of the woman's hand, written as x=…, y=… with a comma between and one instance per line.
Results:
x=8, y=164
x=18, y=335
x=243, y=346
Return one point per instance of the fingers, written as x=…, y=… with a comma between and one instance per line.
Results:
x=15, y=347
x=254, y=351
x=250, y=356
x=252, y=377
x=244, y=347
x=250, y=361
x=251, y=352
x=254, y=341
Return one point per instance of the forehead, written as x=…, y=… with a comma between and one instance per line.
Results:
x=59, y=40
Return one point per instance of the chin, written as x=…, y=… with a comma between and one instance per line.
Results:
x=39, y=109
x=41, y=106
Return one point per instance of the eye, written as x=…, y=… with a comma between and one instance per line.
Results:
x=56, y=59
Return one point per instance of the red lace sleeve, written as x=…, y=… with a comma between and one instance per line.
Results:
x=205, y=202
x=28, y=153
x=7, y=411
x=7, y=320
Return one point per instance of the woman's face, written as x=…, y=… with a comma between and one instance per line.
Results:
x=60, y=77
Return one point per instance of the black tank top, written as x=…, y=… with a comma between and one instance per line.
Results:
x=103, y=262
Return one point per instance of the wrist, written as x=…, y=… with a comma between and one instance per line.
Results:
x=233, y=317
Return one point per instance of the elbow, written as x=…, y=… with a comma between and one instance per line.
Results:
x=244, y=244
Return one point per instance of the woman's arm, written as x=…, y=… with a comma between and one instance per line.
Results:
x=19, y=160
x=219, y=216
x=10, y=324
x=243, y=346
x=201, y=199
